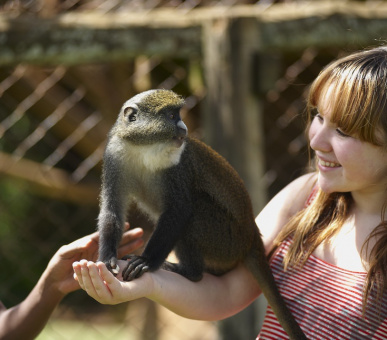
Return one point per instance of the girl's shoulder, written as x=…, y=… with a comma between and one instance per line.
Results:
x=283, y=206
x=300, y=192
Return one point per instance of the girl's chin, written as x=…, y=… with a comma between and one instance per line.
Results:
x=330, y=188
x=326, y=186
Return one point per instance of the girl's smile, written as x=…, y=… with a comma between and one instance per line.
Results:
x=324, y=164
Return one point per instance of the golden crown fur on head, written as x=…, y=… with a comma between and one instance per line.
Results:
x=156, y=100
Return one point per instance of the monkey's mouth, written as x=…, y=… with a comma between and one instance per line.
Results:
x=178, y=141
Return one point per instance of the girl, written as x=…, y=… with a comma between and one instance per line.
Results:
x=326, y=231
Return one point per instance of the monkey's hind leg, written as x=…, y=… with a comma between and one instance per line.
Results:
x=182, y=270
x=191, y=264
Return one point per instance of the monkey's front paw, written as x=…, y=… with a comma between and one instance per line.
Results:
x=137, y=266
x=112, y=266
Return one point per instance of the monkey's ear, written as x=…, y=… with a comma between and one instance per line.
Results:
x=130, y=113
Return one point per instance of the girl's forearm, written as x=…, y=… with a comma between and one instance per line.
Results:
x=212, y=298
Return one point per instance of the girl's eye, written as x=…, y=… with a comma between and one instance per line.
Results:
x=341, y=133
x=319, y=117
x=338, y=131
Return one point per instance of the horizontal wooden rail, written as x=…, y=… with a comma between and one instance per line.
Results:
x=79, y=37
x=52, y=182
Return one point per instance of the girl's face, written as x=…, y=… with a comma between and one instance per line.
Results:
x=345, y=163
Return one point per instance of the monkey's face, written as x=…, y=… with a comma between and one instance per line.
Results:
x=152, y=117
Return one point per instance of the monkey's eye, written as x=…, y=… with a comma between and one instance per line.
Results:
x=173, y=115
x=130, y=113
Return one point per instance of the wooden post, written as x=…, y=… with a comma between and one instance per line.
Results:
x=232, y=123
x=232, y=120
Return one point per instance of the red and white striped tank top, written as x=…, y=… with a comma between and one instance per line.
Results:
x=325, y=300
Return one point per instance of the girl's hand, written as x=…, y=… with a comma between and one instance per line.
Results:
x=104, y=287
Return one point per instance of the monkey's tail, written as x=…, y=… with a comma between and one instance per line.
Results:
x=258, y=265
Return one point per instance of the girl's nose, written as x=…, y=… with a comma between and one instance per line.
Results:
x=319, y=137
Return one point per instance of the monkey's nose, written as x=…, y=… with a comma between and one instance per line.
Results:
x=182, y=129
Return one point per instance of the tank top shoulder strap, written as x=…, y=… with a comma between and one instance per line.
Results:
x=311, y=196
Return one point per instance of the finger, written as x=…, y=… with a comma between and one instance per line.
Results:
x=88, y=283
x=131, y=241
x=78, y=274
x=128, y=236
x=94, y=236
x=78, y=245
x=84, y=278
x=102, y=291
x=106, y=275
x=131, y=235
x=111, y=284
x=129, y=248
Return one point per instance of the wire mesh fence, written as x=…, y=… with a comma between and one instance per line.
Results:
x=53, y=126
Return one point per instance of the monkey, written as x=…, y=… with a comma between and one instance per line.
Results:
x=197, y=201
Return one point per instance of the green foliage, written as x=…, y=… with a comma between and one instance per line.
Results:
x=32, y=228
x=14, y=202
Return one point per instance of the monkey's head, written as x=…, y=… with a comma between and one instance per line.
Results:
x=152, y=117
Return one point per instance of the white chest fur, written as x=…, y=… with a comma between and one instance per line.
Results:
x=151, y=158
x=142, y=167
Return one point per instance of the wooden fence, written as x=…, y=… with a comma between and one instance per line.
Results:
x=234, y=45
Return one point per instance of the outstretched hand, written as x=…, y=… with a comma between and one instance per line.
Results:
x=104, y=287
